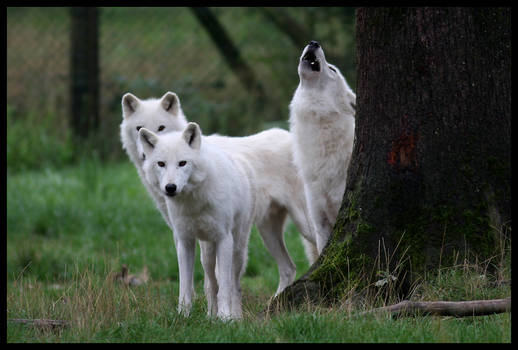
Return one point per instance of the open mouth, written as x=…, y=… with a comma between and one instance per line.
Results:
x=312, y=60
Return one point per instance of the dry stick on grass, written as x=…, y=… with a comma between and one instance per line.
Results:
x=41, y=323
x=446, y=308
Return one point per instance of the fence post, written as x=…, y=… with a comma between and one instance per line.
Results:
x=84, y=86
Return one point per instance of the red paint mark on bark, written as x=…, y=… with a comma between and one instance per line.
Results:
x=402, y=155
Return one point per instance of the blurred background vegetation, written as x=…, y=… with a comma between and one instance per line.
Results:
x=148, y=51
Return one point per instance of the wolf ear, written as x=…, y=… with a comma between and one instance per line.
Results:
x=171, y=103
x=129, y=104
x=147, y=140
x=192, y=135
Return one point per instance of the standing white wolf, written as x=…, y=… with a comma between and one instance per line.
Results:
x=210, y=197
x=159, y=115
x=322, y=122
x=280, y=191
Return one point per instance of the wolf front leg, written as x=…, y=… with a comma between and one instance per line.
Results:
x=208, y=261
x=185, y=249
x=224, y=252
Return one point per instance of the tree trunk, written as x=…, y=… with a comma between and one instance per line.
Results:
x=84, y=71
x=228, y=50
x=299, y=34
x=234, y=60
x=430, y=175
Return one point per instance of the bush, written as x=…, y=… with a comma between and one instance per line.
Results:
x=36, y=141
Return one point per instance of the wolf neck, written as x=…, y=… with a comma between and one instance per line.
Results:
x=312, y=84
x=317, y=94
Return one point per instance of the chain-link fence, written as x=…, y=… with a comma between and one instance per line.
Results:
x=148, y=51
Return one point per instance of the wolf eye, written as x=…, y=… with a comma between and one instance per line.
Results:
x=182, y=163
x=139, y=127
x=161, y=164
x=332, y=69
x=161, y=127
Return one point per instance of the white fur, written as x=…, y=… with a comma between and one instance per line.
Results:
x=280, y=192
x=213, y=202
x=151, y=114
x=322, y=123
x=279, y=189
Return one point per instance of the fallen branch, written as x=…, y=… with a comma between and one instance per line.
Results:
x=446, y=308
x=41, y=323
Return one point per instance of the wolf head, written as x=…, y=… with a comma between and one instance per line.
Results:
x=312, y=63
x=157, y=115
x=315, y=72
x=172, y=161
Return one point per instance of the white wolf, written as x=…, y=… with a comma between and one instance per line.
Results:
x=322, y=122
x=280, y=190
x=159, y=115
x=210, y=197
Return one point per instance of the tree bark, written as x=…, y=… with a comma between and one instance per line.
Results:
x=430, y=175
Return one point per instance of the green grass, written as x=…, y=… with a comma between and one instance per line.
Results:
x=70, y=229
x=30, y=147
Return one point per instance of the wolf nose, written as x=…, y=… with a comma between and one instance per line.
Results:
x=170, y=189
x=314, y=44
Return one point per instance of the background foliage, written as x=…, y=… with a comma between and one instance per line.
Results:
x=148, y=51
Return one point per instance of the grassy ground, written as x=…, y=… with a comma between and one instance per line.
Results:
x=70, y=230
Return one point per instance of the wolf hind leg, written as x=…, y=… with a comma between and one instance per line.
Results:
x=299, y=213
x=271, y=229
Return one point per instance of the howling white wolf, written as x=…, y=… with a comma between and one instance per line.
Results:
x=322, y=122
